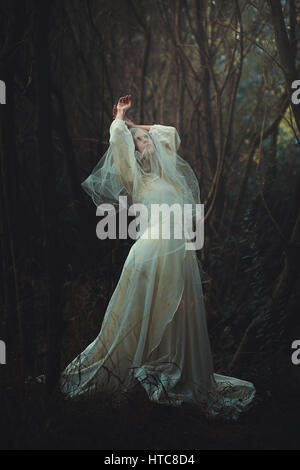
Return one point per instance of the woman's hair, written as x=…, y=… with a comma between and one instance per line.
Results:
x=133, y=131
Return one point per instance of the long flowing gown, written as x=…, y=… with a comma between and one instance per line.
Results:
x=154, y=331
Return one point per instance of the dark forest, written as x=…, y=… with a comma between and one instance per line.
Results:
x=226, y=75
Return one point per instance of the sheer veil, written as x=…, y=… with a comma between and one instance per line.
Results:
x=154, y=330
x=156, y=176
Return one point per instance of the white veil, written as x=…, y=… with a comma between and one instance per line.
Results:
x=157, y=176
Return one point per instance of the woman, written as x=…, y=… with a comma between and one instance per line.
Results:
x=154, y=330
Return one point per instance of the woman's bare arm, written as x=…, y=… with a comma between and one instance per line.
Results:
x=122, y=143
x=119, y=112
x=130, y=125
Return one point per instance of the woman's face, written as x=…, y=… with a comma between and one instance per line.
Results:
x=143, y=142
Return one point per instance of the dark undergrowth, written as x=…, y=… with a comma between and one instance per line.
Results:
x=242, y=273
x=32, y=419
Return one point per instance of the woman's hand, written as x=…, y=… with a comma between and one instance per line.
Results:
x=119, y=110
x=124, y=103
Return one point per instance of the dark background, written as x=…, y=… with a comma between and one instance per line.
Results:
x=221, y=73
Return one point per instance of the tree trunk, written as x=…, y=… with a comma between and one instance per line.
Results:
x=286, y=53
x=52, y=241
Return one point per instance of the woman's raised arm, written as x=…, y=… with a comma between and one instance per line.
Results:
x=122, y=144
x=119, y=112
x=130, y=125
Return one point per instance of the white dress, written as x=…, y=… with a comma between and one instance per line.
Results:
x=154, y=331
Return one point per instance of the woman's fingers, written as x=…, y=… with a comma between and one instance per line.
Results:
x=125, y=101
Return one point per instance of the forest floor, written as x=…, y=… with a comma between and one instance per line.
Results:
x=32, y=419
x=39, y=421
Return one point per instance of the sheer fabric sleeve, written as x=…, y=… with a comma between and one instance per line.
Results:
x=122, y=146
x=168, y=137
x=116, y=173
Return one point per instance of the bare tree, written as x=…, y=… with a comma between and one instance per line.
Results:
x=286, y=49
